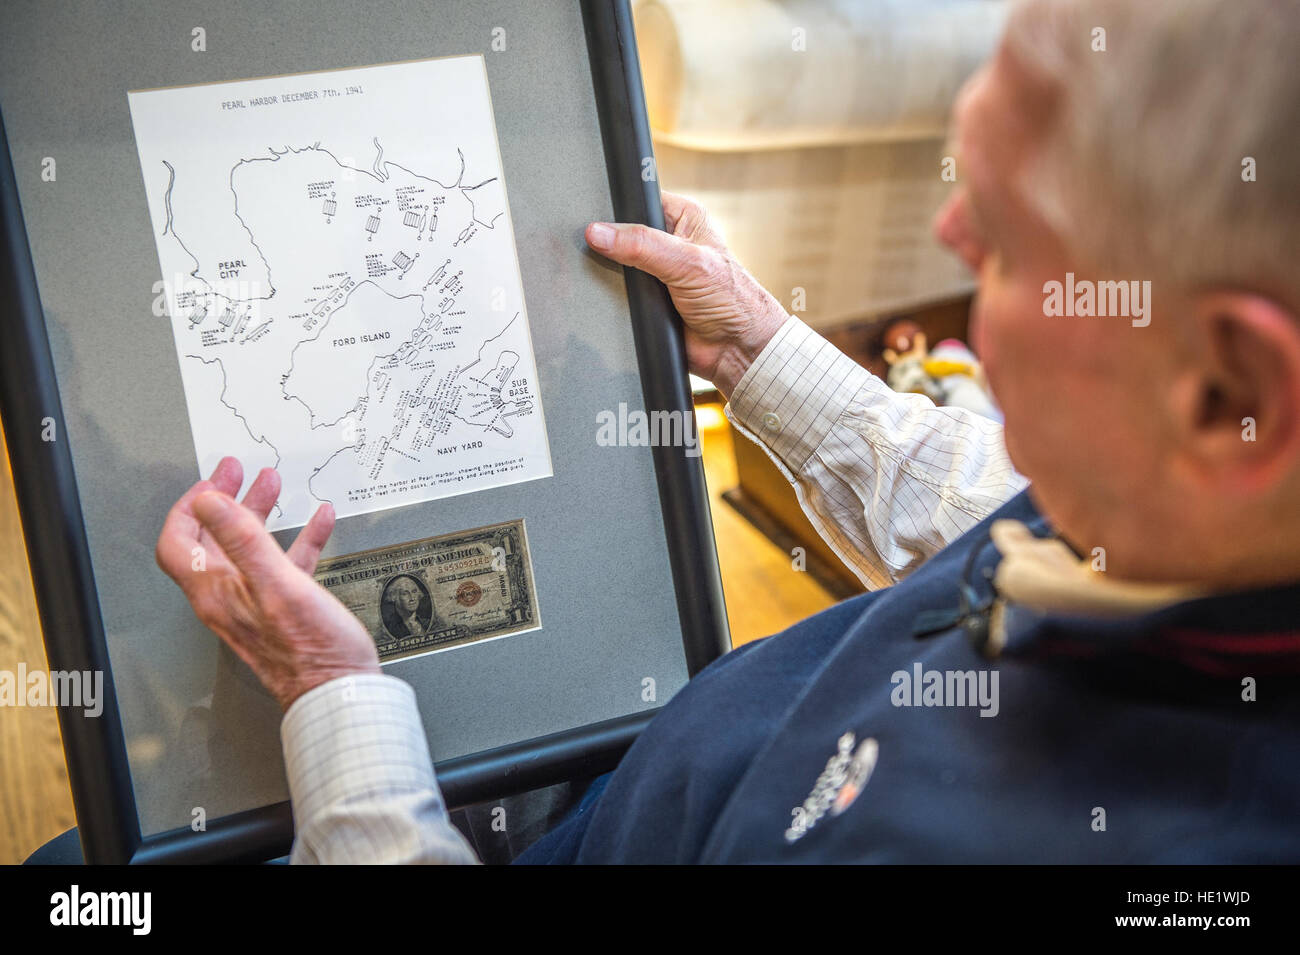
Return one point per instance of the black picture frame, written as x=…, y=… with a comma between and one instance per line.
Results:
x=67, y=597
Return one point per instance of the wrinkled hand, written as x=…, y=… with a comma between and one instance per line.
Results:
x=727, y=315
x=259, y=599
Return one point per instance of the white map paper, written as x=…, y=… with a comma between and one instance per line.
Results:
x=340, y=270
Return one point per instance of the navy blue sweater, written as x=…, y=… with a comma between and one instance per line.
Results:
x=1113, y=741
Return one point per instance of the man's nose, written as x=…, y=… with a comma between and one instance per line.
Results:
x=952, y=227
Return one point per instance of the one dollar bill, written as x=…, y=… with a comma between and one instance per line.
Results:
x=439, y=592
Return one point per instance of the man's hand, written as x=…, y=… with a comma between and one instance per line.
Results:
x=728, y=316
x=260, y=600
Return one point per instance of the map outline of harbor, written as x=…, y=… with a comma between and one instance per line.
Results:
x=342, y=278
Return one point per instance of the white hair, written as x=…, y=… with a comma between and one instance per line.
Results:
x=1146, y=163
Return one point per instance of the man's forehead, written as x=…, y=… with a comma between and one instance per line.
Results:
x=994, y=136
x=977, y=171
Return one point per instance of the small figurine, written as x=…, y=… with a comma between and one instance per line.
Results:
x=905, y=352
x=949, y=375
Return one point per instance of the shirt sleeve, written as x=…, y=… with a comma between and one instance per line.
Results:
x=361, y=780
x=887, y=479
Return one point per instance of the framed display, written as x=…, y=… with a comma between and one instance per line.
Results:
x=346, y=241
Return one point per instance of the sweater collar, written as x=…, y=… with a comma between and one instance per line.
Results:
x=1049, y=602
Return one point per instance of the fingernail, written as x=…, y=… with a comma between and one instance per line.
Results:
x=211, y=505
x=600, y=236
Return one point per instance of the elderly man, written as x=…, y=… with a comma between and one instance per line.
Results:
x=1103, y=668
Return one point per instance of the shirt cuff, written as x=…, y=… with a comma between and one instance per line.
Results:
x=795, y=391
x=354, y=737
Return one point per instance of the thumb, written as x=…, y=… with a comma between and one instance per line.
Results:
x=241, y=535
x=672, y=260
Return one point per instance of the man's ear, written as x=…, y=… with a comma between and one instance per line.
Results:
x=1238, y=404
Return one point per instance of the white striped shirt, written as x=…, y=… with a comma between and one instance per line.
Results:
x=887, y=479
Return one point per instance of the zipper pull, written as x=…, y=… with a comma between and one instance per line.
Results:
x=929, y=623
